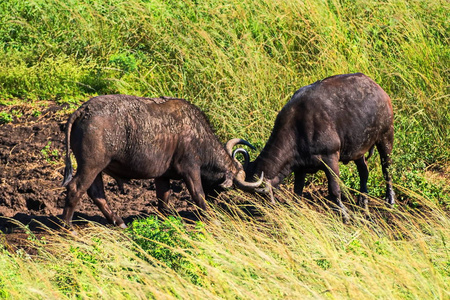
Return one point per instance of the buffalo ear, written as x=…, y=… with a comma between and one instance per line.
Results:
x=228, y=182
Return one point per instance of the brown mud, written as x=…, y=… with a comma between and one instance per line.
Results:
x=31, y=173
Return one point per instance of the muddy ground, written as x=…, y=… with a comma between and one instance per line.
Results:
x=31, y=172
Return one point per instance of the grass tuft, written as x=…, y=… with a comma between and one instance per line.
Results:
x=249, y=249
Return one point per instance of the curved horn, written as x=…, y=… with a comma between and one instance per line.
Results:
x=246, y=156
x=240, y=182
x=267, y=190
x=233, y=142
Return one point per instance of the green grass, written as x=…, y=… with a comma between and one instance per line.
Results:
x=288, y=250
x=240, y=62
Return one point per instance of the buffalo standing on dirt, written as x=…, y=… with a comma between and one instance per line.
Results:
x=131, y=137
x=336, y=119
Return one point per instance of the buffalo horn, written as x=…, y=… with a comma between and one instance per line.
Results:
x=240, y=182
x=233, y=142
x=246, y=156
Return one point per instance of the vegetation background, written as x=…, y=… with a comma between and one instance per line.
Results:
x=240, y=62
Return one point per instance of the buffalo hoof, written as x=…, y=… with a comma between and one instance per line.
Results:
x=390, y=204
x=363, y=201
x=342, y=211
x=345, y=218
x=122, y=225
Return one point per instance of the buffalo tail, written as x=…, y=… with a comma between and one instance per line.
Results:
x=370, y=152
x=68, y=170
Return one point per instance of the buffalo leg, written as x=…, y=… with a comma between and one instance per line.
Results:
x=120, y=184
x=363, y=172
x=334, y=190
x=97, y=193
x=194, y=184
x=162, y=193
x=75, y=190
x=385, y=149
x=299, y=182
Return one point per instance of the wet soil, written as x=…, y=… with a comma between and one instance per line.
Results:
x=31, y=173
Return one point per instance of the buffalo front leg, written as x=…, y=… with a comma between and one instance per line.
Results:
x=363, y=172
x=194, y=184
x=97, y=193
x=162, y=193
x=334, y=190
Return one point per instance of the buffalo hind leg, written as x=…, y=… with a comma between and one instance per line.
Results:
x=162, y=193
x=385, y=149
x=97, y=193
x=299, y=182
x=75, y=190
x=363, y=172
x=334, y=190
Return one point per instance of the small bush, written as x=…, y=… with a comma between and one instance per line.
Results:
x=125, y=62
x=169, y=242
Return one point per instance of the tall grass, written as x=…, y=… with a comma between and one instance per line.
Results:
x=288, y=251
x=240, y=61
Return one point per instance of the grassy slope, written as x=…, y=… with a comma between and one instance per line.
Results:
x=296, y=253
x=240, y=61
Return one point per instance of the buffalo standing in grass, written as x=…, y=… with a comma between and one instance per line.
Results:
x=336, y=119
x=131, y=137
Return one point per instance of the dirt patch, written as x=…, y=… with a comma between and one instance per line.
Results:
x=31, y=172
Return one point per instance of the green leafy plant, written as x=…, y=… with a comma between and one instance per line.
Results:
x=168, y=241
x=36, y=113
x=5, y=117
x=324, y=263
x=50, y=154
x=125, y=62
